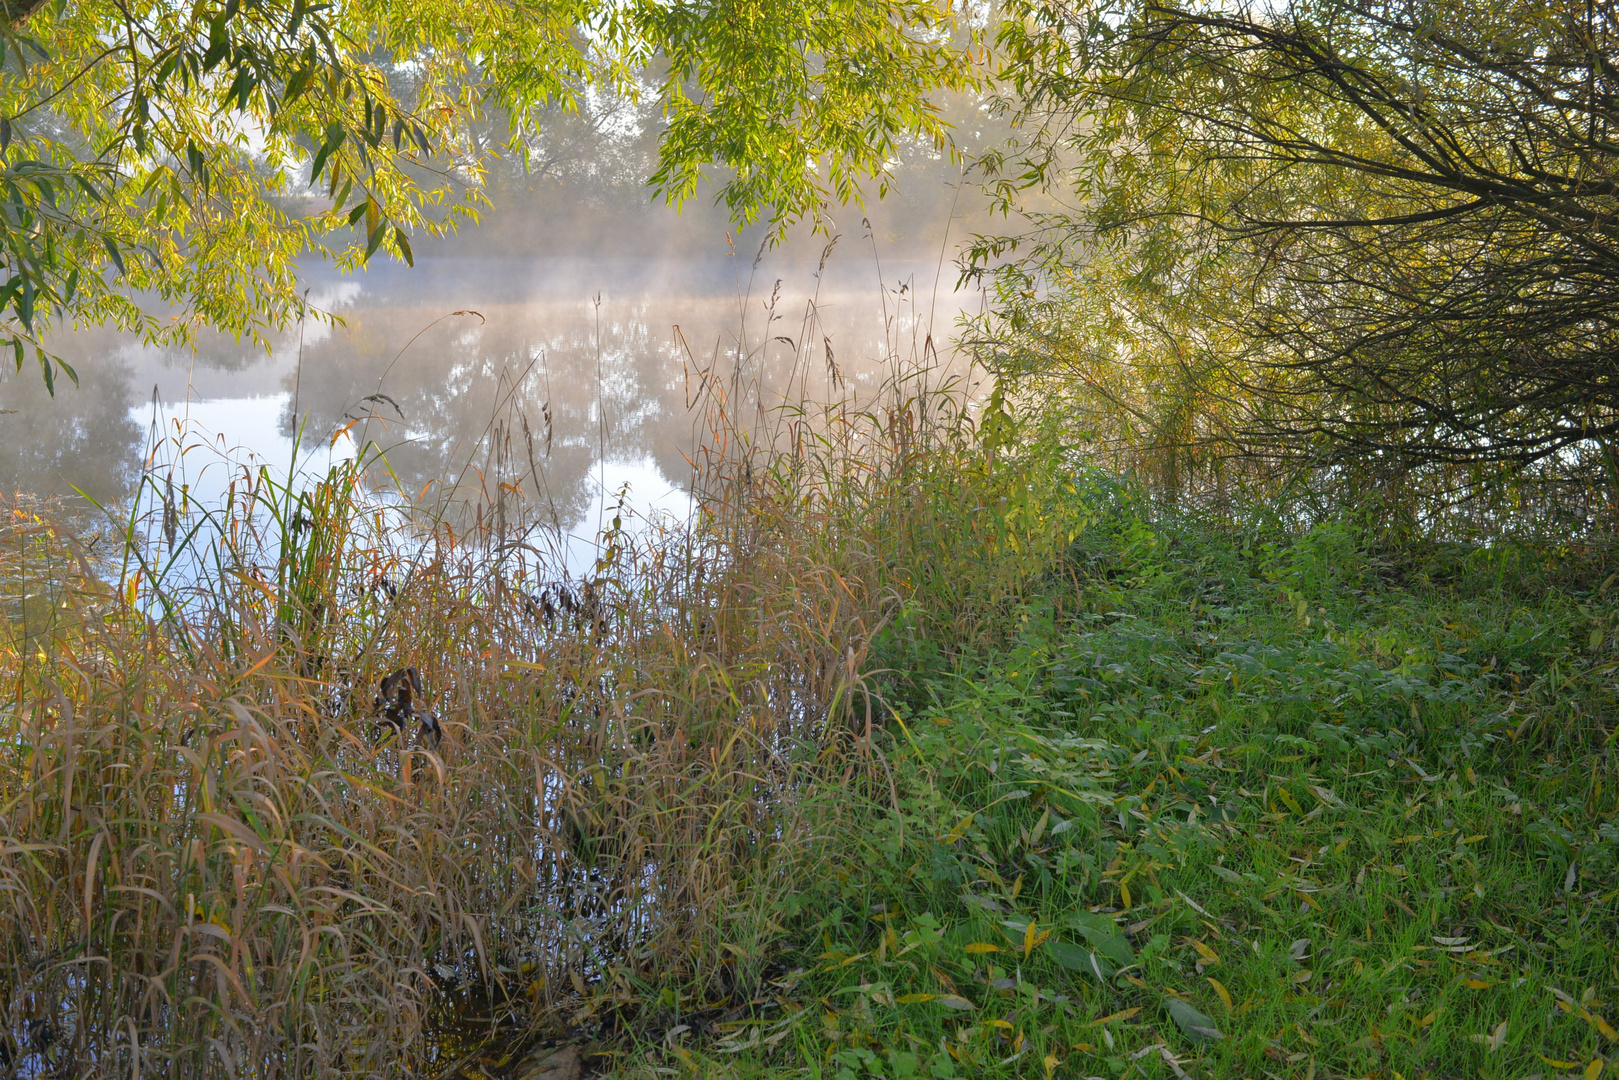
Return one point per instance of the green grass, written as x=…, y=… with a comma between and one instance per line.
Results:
x=931, y=756
x=1357, y=811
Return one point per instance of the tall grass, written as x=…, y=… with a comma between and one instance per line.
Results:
x=215, y=861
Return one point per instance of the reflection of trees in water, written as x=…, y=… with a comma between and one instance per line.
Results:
x=518, y=398
x=83, y=437
x=535, y=394
x=513, y=399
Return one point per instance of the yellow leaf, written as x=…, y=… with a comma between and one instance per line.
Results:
x=1477, y=984
x=1225, y=995
x=961, y=827
x=1124, y=893
x=1287, y=797
x=1123, y=1015
x=1031, y=938
x=1594, y=1070
x=1603, y=1026
x=1425, y=1021
x=1085, y=1048
x=912, y=999
x=998, y=1024
x=1554, y=1063
x=1050, y=1063
x=1475, y=838
x=978, y=948
x=1017, y=1044
x=1205, y=952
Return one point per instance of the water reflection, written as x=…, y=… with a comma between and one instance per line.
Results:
x=542, y=386
x=84, y=437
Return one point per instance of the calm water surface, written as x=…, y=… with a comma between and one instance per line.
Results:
x=578, y=369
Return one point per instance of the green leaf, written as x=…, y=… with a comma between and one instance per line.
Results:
x=25, y=305
x=1193, y=1024
x=375, y=231
x=1104, y=934
x=112, y=252
x=334, y=139
x=296, y=85
x=1075, y=958
x=218, y=43
x=404, y=246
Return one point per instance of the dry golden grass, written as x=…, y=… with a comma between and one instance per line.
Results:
x=213, y=862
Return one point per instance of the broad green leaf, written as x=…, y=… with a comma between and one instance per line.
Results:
x=1192, y=1023
x=1104, y=934
x=1075, y=958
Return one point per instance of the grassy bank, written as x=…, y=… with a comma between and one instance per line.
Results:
x=1223, y=805
x=928, y=754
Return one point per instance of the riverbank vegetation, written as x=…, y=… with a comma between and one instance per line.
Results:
x=934, y=752
x=1229, y=691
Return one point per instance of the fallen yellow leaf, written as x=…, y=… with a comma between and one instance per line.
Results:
x=1225, y=995
x=978, y=948
x=1050, y=1063
x=1594, y=1070
x=1205, y=952
x=1031, y=938
x=1124, y=1014
x=1477, y=984
x=1554, y=1063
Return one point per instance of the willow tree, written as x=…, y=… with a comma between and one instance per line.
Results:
x=164, y=163
x=1358, y=240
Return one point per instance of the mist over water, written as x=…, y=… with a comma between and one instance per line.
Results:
x=559, y=335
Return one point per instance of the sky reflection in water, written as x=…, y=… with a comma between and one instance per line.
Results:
x=437, y=364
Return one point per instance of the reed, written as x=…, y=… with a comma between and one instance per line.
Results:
x=215, y=861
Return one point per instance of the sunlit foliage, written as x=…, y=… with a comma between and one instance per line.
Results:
x=163, y=165
x=1366, y=241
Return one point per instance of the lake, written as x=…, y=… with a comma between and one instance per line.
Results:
x=573, y=372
